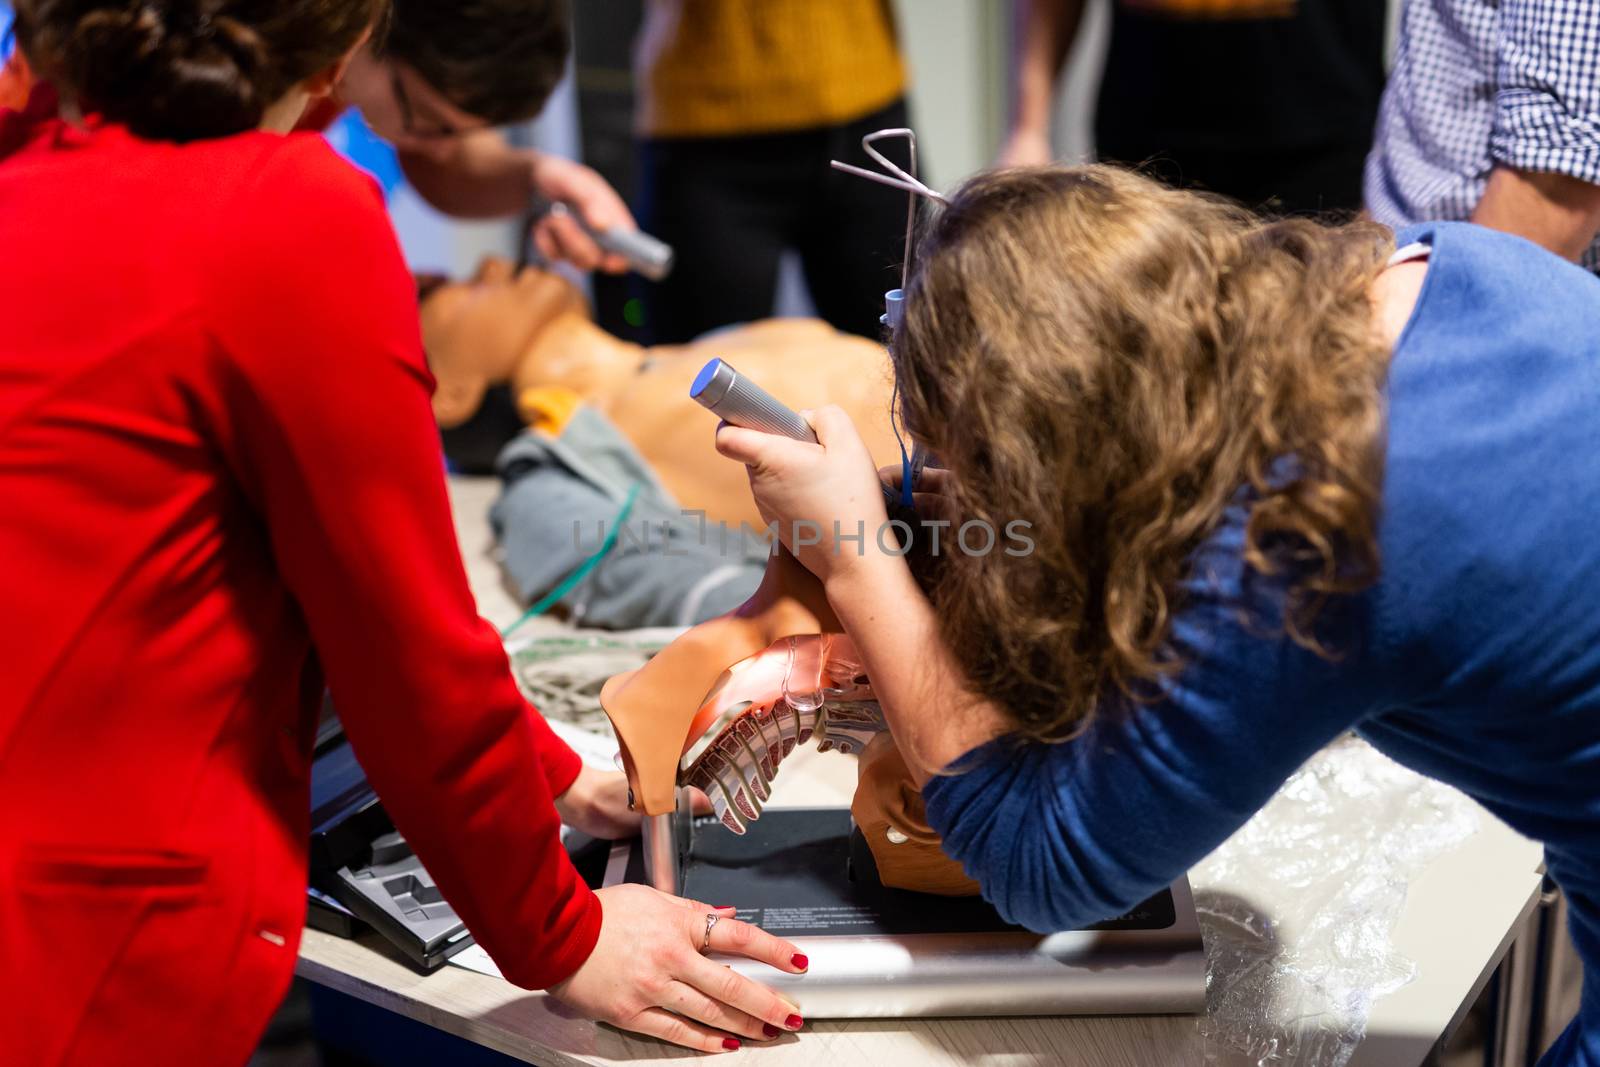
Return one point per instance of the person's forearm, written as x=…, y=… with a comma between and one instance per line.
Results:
x=483, y=177
x=1559, y=212
x=931, y=712
x=1044, y=31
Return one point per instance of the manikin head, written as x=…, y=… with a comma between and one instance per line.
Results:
x=448, y=68
x=484, y=332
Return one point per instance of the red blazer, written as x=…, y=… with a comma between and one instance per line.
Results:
x=219, y=479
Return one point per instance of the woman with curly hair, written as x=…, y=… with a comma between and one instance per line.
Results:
x=1281, y=482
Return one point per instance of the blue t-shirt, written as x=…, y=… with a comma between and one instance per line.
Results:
x=1475, y=659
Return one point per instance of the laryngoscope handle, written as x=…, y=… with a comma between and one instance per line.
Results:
x=646, y=255
x=741, y=402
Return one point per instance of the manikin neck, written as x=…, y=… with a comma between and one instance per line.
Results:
x=573, y=353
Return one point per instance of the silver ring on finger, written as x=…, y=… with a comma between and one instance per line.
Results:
x=712, y=918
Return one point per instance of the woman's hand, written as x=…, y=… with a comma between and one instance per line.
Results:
x=931, y=496
x=597, y=803
x=816, y=492
x=558, y=236
x=647, y=975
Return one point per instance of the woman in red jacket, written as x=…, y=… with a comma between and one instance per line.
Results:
x=219, y=479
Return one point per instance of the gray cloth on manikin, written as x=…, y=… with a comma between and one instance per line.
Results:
x=563, y=495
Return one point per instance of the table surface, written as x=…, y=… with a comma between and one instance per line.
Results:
x=1461, y=914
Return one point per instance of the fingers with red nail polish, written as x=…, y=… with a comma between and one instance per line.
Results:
x=650, y=953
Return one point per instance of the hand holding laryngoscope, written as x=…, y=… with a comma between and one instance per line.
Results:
x=738, y=401
x=646, y=255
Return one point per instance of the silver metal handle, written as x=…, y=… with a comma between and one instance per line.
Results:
x=741, y=402
x=645, y=254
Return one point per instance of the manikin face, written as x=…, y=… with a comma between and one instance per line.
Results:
x=404, y=109
x=478, y=332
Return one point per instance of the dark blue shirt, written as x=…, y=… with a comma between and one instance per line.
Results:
x=1475, y=659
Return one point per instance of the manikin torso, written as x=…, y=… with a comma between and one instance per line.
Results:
x=531, y=330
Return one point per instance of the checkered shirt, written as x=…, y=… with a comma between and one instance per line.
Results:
x=1483, y=82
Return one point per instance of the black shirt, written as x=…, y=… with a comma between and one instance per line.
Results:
x=1302, y=79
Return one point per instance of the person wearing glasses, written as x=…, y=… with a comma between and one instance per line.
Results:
x=436, y=87
x=446, y=76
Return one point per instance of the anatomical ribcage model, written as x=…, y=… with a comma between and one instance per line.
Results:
x=724, y=705
x=764, y=707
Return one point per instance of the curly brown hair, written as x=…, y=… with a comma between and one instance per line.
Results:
x=1114, y=361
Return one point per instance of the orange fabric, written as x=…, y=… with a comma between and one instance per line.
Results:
x=548, y=408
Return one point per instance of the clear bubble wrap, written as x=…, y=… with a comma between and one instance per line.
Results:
x=1293, y=981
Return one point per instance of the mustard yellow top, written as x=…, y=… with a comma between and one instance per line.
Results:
x=715, y=68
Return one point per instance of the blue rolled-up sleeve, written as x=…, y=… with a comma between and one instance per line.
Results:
x=1547, y=88
x=1064, y=835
